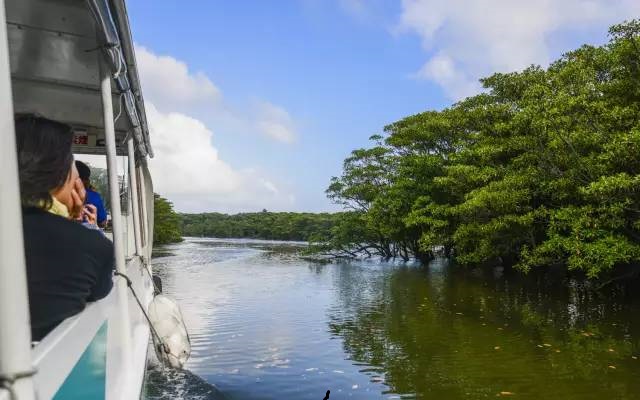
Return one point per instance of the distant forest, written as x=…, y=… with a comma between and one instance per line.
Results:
x=261, y=225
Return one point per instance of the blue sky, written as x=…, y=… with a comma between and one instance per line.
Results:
x=254, y=104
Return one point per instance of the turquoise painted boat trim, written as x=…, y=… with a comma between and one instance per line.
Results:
x=88, y=378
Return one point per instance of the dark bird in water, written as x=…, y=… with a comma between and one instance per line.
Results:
x=326, y=396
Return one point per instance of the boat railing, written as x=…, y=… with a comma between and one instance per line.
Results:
x=56, y=356
x=58, y=353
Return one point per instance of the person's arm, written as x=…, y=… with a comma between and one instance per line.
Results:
x=104, y=274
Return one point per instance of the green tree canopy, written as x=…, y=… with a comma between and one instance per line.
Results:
x=166, y=223
x=540, y=169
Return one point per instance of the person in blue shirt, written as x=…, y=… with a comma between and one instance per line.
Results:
x=93, y=197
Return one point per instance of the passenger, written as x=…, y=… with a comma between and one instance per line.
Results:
x=93, y=197
x=67, y=264
x=89, y=216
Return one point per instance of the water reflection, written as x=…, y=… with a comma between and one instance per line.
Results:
x=442, y=334
x=268, y=324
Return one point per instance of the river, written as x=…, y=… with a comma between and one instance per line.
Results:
x=267, y=324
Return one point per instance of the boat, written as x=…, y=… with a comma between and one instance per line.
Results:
x=73, y=61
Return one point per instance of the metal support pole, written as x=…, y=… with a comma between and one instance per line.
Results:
x=135, y=205
x=116, y=215
x=15, y=328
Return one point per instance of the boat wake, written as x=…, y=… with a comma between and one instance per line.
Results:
x=170, y=384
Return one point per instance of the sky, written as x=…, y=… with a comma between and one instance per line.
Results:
x=255, y=104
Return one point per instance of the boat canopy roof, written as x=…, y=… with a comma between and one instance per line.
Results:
x=57, y=50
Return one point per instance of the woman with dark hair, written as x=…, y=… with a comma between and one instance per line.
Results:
x=67, y=264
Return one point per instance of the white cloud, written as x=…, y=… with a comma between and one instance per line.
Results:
x=356, y=8
x=473, y=38
x=185, y=161
x=187, y=167
x=275, y=122
x=188, y=170
x=441, y=69
x=269, y=186
x=170, y=84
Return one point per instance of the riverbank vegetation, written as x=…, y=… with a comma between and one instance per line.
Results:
x=262, y=225
x=166, y=222
x=540, y=169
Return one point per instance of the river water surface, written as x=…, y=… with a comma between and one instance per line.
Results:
x=266, y=324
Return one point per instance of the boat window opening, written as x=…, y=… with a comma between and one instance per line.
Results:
x=100, y=180
x=141, y=196
x=123, y=183
x=52, y=231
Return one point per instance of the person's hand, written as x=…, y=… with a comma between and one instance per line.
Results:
x=90, y=212
x=78, y=195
